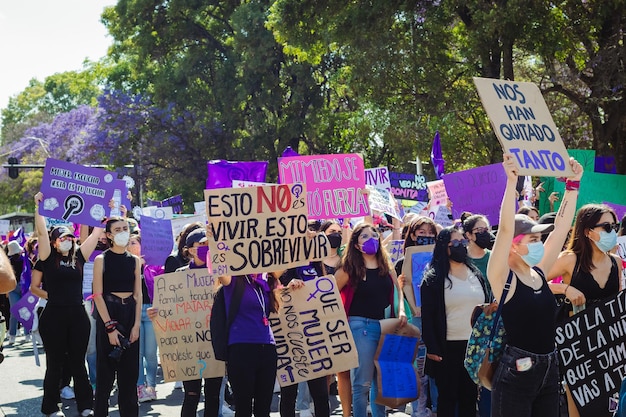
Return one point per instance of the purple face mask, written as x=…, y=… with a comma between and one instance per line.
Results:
x=370, y=246
x=202, y=253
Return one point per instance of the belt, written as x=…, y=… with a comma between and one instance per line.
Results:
x=115, y=299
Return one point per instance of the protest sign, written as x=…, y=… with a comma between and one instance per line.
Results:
x=245, y=184
x=592, y=354
x=395, y=249
x=24, y=310
x=157, y=240
x=184, y=300
x=620, y=210
x=442, y=216
x=79, y=194
x=5, y=226
x=158, y=212
x=382, y=201
x=378, y=178
x=523, y=124
x=260, y=229
x=396, y=371
x=199, y=207
x=416, y=261
x=175, y=202
x=621, y=252
x=221, y=173
x=311, y=330
x=179, y=222
x=408, y=186
x=334, y=184
x=477, y=190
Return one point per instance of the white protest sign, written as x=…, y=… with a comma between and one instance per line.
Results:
x=184, y=300
x=199, y=207
x=523, y=124
x=5, y=226
x=378, y=178
x=158, y=212
x=247, y=184
x=312, y=335
x=382, y=200
x=179, y=222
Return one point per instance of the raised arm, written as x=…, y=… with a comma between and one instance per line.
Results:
x=89, y=245
x=42, y=231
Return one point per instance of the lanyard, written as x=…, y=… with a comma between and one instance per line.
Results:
x=260, y=299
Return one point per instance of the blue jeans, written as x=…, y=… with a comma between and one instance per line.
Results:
x=530, y=393
x=147, y=350
x=14, y=297
x=366, y=333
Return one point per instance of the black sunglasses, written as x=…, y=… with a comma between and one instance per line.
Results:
x=456, y=242
x=608, y=226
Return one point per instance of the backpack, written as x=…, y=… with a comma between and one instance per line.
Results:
x=221, y=321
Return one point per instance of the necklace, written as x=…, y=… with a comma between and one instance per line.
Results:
x=260, y=299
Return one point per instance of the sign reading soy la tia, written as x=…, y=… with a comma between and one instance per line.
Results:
x=334, y=183
x=184, y=300
x=260, y=229
x=312, y=335
x=524, y=126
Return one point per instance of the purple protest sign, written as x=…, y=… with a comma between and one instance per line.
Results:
x=478, y=190
x=157, y=239
x=408, y=186
x=221, y=173
x=620, y=210
x=334, y=183
x=79, y=194
x=24, y=310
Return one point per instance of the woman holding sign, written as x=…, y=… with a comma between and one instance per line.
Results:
x=526, y=381
x=366, y=280
x=64, y=325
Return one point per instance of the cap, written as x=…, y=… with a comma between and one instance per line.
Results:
x=60, y=231
x=547, y=218
x=198, y=235
x=524, y=225
x=14, y=248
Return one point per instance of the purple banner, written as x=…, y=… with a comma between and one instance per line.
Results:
x=619, y=210
x=80, y=194
x=175, y=202
x=221, y=173
x=157, y=240
x=24, y=310
x=478, y=190
x=605, y=165
x=408, y=186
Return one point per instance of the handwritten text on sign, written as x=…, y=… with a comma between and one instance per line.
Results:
x=184, y=300
x=311, y=331
x=260, y=229
x=334, y=183
x=524, y=126
x=592, y=349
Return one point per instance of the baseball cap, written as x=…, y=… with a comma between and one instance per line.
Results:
x=198, y=235
x=14, y=248
x=60, y=231
x=524, y=225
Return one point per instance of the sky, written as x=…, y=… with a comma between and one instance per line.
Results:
x=43, y=37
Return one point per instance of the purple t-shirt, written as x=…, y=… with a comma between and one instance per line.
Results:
x=248, y=326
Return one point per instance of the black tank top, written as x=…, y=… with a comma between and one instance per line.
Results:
x=529, y=317
x=585, y=283
x=119, y=272
x=372, y=296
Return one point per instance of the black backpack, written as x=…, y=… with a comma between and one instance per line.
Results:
x=221, y=321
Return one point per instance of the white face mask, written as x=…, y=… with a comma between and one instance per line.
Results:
x=122, y=238
x=65, y=246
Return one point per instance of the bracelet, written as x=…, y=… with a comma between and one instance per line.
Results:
x=346, y=226
x=572, y=185
x=565, y=292
x=110, y=326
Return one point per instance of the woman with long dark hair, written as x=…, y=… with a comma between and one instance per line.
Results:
x=64, y=325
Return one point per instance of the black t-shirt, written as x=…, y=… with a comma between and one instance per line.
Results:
x=64, y=278
x=372, y=296
x=119, y=272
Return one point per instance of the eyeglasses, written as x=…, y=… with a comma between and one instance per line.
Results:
x=365, y=236
x=608, y=226
x=457, y=242
x=480, y=230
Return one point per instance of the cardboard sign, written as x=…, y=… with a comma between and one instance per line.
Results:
x=477, y=190
x=157, y=240
x=378, y=178
x=523, y=124
x=395, y=249
x=592, y=354
x=416, y=261
x=334, y=184
x=312, y=334
x=260, y=229
x=184, y=300
x=408, y=186
x=80, y=194
x=397, y=374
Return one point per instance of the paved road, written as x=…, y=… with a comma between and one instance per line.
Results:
x=21, y=389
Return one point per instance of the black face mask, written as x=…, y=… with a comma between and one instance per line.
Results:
x=101, y=246
x=334, y=239
x=458, y=253
x=424, y=240
x=485, y=240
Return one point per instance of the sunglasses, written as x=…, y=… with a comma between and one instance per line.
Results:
x=458, y=242
x=608, y=226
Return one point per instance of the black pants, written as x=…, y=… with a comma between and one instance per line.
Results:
x=454, y=384
x=318, y=388
x=64, y=331
x=212, y=388
x=127, y=369
x=252, y=372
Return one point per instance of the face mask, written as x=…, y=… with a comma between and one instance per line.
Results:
x=534, y=255
x=458, y=253
x=607, y=241
x=122, y=238
x=370, y=247
x=202, y=252
x=424, y=240
x=334, y=239
x=65, y=246
x=483, y=240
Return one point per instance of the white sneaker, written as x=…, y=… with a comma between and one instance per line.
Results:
x=57, y=414
x=86, y=413
x=178, y=385
x=306, y=413
x=27, y=338
x=11, y=341
x=67, y=393
x=226, y=411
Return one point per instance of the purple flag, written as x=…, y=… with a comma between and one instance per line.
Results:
x=19, y=236
x=24, y=310
x=436, y=157
x=221, y=173
x=289, y=152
